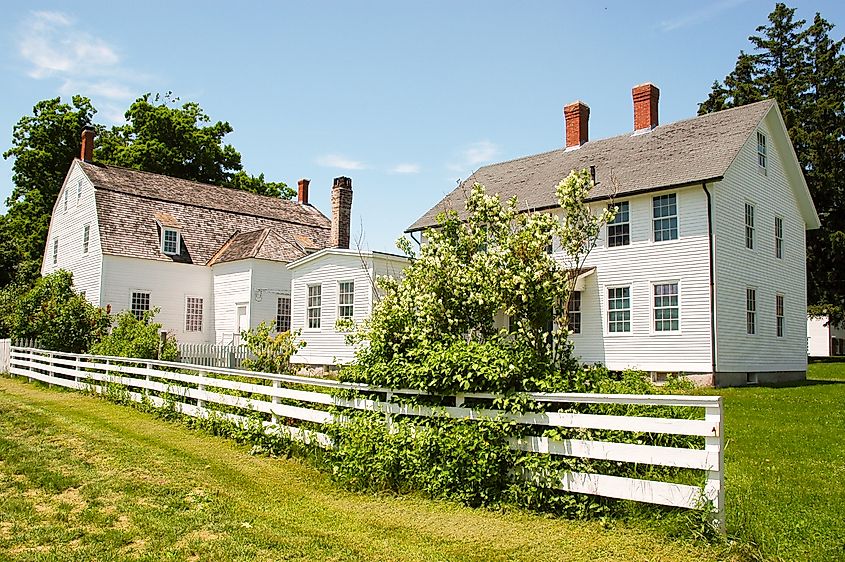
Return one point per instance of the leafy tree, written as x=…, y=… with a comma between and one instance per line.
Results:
x=43, y=145
x=133, y=337
x=804, y=70
x=257, y=184
x=439, y=328
x=271, y=352
x=57, y=316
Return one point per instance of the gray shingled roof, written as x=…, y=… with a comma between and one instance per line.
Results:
x=132, y=207
x=277, y=243
x=685, y=152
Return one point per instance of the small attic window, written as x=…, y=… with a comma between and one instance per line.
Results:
x=761, y=150
x=170, y=241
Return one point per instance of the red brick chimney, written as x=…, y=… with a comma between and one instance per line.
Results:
x=577, y=115
x=341, y=212
x=302, y=193
x=87, y=152
x=645, y=106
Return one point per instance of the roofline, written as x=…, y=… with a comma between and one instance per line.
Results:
x=606, y=197
x=344, y=252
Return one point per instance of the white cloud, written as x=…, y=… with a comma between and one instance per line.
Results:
x=475, y=154
x=55, y=47
x=701, y=15
x=406, y=168
x=340, y=161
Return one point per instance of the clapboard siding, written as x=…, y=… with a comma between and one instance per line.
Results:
x=231, y=283
x=738, y=268
x=270, y=279
x=69, y=226
x=168, y=284
x=639, y=265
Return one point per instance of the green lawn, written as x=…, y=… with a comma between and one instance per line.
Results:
x=785, y=465
x=84, y=479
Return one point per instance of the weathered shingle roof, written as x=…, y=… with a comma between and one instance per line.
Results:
x=132, y=207
x=278, y=243
x=680, y=153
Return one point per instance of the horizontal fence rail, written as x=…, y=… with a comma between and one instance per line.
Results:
x=213, y=355
x=295, y=406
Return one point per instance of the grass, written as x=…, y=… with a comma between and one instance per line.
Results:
x=84, y=479
x=785, y=465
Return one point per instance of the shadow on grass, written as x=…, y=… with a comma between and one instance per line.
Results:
x=793, y=384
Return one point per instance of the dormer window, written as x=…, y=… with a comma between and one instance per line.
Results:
x=170, y=241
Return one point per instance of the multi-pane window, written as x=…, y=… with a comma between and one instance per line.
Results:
x=749, y=226
x=750, y=311
x=778, y=237
x=573, y=312
x=619, y=309
x=283, y=314
x=346, y=299
x=761, y=150
x=665, y=216
x=779, y=315
x=64, y=198
x=619, y=229
x=86, y=238
x=170, y=242
x=193, y=314
x=55, y=251
x=78, y=190
x=314, y=305
x=666, y=308
x=139, y=303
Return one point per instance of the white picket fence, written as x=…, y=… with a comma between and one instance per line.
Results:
x=5, y=350
x=188, y=386
x=213, y=355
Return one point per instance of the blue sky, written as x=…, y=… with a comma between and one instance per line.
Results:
x=404, y=98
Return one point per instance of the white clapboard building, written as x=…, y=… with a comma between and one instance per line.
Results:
x=703, y=270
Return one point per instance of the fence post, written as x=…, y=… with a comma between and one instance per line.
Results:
x=388, y=401
x=459, y=400
x=77, y=368
x=276, y=400
x=201, y=388
x=50, y=368
x=714, y=490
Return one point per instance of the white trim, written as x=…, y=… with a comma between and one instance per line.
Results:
x=166, y=229
x=756, y=311
x=347, y=252
x=651, y=330
x=149, y=298
x=606, y=318
x=86, y=246
x=629, y=223
x=677, y=218
x=307, y=328
x=338, y=315
x=185, y=315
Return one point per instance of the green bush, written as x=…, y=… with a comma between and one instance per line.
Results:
x=271, y=353
x=131, y=337
x=52, y=313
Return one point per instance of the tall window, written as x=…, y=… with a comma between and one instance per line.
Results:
x=283, y=314
x=78, y=190
x=314, y=308
x=749, y=226
x=193, y=314
x=170, y=242
x=778, y=237
x=751, y=311
x=619, y=309
x=666, y=308
x=86, y=238
x=139, y=304
x=761, y=150
x=665, y=217
x=346, y=299
x=619, y=229
x=64, y=198
x=55, y=251
x=779, y=315
x=573, y=312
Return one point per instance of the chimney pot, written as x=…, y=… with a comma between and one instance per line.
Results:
x=87, y=152
x=577, y=116
x=302, y=192
x=645, y=97
x=341, y=212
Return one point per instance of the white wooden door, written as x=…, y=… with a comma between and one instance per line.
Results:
x=241, y=320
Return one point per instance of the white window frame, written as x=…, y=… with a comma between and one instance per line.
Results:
x=78, y=191
x=762, y=152
x=341, y=305
x=630, y=310
x=190, y=328
x=779, y=237
x=279, y=315
x=751, y=313
x=164, y=232
x=611, y=224
x=55, y=250
x=749, y=228
x=318, y=307
x=653, y=319
x=572, y=313
x=780, y=320
x=64, y=199
x=654, y=219
x=86, y=239
x=132, y=293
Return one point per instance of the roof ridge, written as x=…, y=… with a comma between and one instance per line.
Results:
x=222, y=249
x=261, y=239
